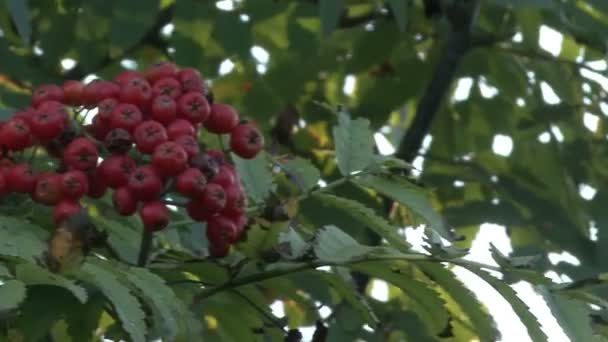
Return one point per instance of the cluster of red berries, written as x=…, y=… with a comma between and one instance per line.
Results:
x=146, y=128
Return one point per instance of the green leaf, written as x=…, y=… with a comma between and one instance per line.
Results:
x=334, y=245
x=291, y=245
x=125, y=304
x=306, y=175
x=6, y=113
x=163, y=301
x=354, y=144
x=4, y=272
x=520, y=308
x=33, y=274
x=255, y=176
x=21, y=17
x=572, y=315
x=367, y=217
x=122, y=238
x=482, y=322
x=21, y=239
x=330, y=12
x=343, y=283
x=12, y=293
x=412, y=197
x=399, y=9
x=130, y=21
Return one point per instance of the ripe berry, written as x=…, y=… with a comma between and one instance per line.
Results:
x=124, y=201
x=106, y=107
x=148, y=135
x=246, y=141
x=47, y=125
x=197, y=211
x=191, y=182
x=207, y=164
x=126, y=76
x=221, y=229
x=55, y=147
x=80, y=154
x=164, y=109
x=193, y=107
x=97, y=185
x=167, y=86
x=4, y=188
x=126, y=116
x=26, y=115
x=145, y=184
x=213, y=198
x=97, y=91
x=169, y=159
x=161, y=70
x=191, y=80
x=219, y=249
x=235, y=201
x=118, y=141
x=225, y=177
x=48, y=189
x=72, y=92
x=154, y=216
x=74, y=184
x=189, y=144
x=180, y=127
x=137, y=91
x=15, y=135
x=47, y=92
x=116, y=170
x=222, y=120
x=21, y=178
x=99, y=128
x=64, y=210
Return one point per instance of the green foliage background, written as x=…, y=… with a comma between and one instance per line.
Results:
x=398, y=57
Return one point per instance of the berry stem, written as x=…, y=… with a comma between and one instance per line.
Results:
x=145, y=248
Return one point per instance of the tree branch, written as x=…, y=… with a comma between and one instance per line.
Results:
x=461, y=16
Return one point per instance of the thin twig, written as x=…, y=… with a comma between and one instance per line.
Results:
x=144, y=249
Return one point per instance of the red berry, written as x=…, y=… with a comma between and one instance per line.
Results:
x=161, y=70
x=193, y=107
x=148, y=135
x=225, y=177
x=118, y=141
x=222, y=120
x=235, y=201
x=21, y=178
x=81, y=154
x=47, y=92
x=169, y=159
x=47, y=125
x=48, y=189
x=99, y=128
x=126, y=116
x=191, y=80
x=64, y=210
x=246, y=141
x=197, y=211
x=97, y=91
x=26, y=115
x=145, y=183
x=116, y=170
x=74, y=184
x=180, y=127
x=124, y=201
x=167, y=86
x=221, y=229
x=154, y=216
x=189, y=144
x=137, y=92
x=106, y=107
x=164, y=109
x=4, y=187
x=191, y=182
x=97, y=185
x=219, y=249
x=15, y=135
x=213, y=198
x=72, y=92
x=126, y=76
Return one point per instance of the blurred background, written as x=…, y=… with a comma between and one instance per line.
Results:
x=499, y=104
